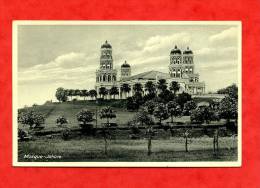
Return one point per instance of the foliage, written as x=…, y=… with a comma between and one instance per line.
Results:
x=203, y=114
x=143, y=117
x=183, y=98
x=150, y=106
x=188, y=107
x=174, y=86
x=131, y=104
x=107, y=113
x=166, y=96
x=228, y=108
x=93, y=93
x=162, y=85
x=160, y=112
x=22, y=134
x=138, y=88
x=174, y=109
x=232, y=91
x=150, y=87
x=65, y=134
x=60, y=121
x=31, y=118
x=61, y=95
x=85, y=116
x=103, y=92
x=114, y=91
x=125, y=87
x=84, y=93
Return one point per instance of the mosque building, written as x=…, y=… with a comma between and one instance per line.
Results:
x=181, y=70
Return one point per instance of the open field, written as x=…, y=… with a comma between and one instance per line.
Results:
x=87, y=149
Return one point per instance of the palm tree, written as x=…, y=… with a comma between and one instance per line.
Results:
x=70, y=93
x=114, y=91
x=174, y=86
x=93, y=93
x=77, y=93
x=125, y=88
x=162, y=85
x=107, y=113
x=84, y=93
x=138, y=88
x=103, y=92
x=150, y=87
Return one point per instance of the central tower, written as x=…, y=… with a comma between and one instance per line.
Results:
x=106, y=59
x=106, y=76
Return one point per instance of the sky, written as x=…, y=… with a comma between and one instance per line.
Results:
x=52, y=56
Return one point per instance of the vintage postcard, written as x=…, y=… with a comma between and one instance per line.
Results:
x=127, y=93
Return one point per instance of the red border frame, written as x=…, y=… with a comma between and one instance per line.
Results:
x=246, y=11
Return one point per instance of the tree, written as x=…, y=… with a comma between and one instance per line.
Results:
x=93, y=93
x=61, y=120
x=61, y=95
x=131, y=104
x=202, y=114
x=85, y=116
x=108, y=114
x=77, y=93
x=70, y=93
x=31, y=118
x=114, y=91
x=138, y=88
x=174, y=86
x=84, y=93
x=228, y=108
x=125, y=88
x=188, y=107
x=150, y=106
x=162, y=85
x=150, y=87
x=174, y=109
x=183, y=98
x=232, y=91
x=103, y=92
x=160, y=112
x=165, y=96
x=143, y=117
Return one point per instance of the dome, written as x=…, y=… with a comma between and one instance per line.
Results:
x=125, y=65
x=188, y=51
x=106, y=45
x=176, y=51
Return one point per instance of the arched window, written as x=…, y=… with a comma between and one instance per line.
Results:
x=114, y=78
x=104, y=78
x=108, y=78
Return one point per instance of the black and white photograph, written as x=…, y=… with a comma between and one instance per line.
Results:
x=127, y=93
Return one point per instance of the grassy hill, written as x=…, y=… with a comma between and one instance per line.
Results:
x=70, y=109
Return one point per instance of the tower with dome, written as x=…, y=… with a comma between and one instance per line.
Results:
x=181, y=70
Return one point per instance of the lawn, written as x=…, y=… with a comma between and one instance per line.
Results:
x=88, y=149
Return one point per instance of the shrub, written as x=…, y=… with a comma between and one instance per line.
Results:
x=22, y=134
x=61, y=121
x=65, y=134
x=31, y=118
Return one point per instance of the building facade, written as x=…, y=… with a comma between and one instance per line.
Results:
x=181, y=70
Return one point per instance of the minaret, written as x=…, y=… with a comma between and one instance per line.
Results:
x=106, y=74
x=106, y=59
x=175, y=67
x=188, y=65
x=125, y=70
